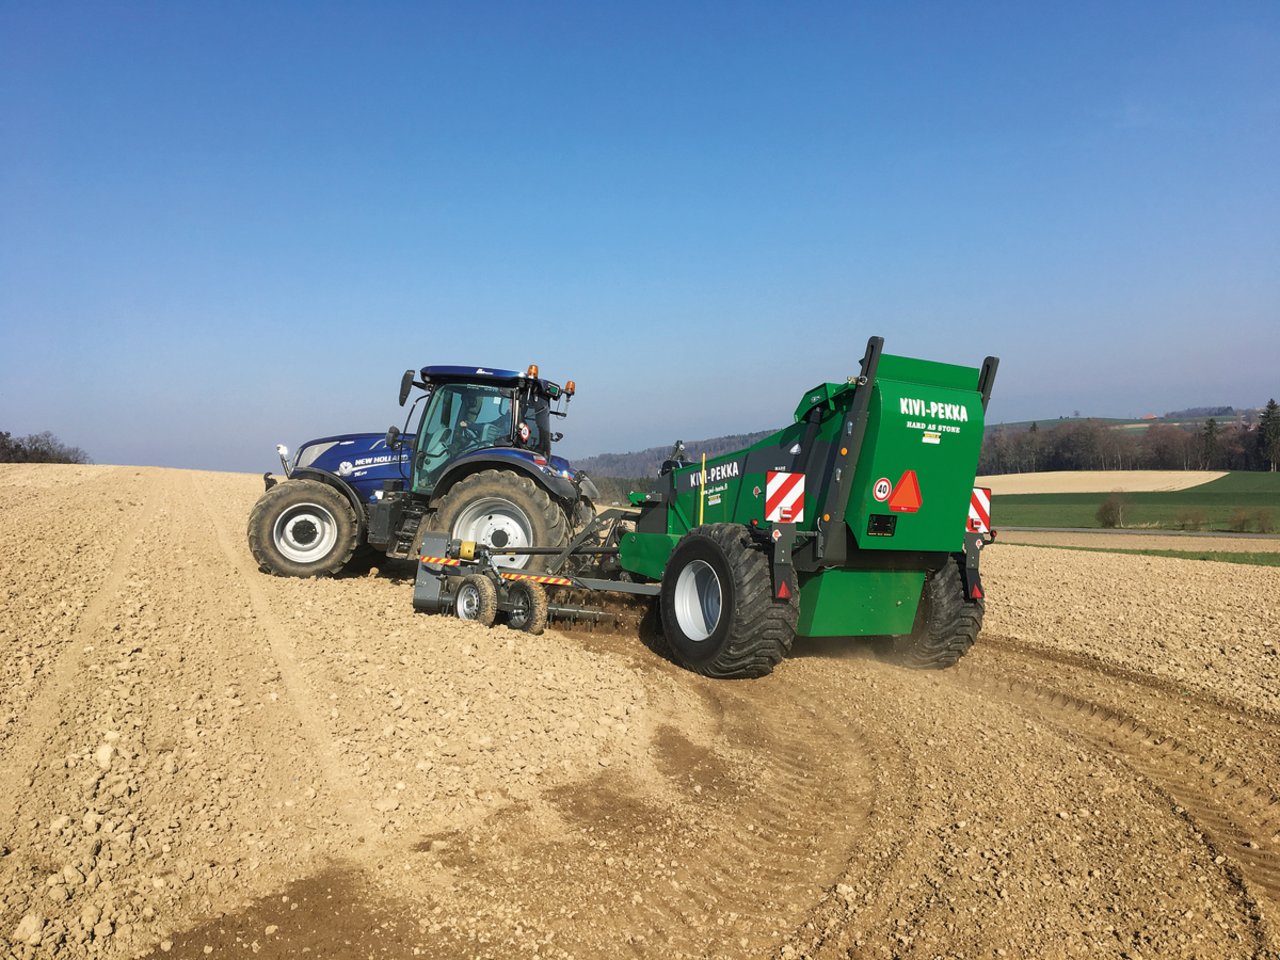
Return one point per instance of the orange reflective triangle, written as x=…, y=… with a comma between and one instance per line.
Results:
x=906, y=495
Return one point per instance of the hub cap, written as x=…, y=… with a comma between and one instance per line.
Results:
x=305, y=533
x=521, y=610
x=497, y=523
x=697, y=600
x=468, y=602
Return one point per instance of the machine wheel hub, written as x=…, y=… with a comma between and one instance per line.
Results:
x=697, y=600
x=305, y=533
x=497, y=523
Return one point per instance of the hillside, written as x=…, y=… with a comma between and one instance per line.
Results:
x=646, y=463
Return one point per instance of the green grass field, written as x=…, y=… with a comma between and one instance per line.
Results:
x=1262, y=558
x=1211, y=506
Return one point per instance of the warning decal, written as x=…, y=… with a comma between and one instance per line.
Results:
x=980, y=510
x=881, y=490
x=906, y=495
x=784, y=497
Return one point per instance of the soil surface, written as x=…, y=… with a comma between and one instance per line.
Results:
x=1096, y=481
x=201, y=760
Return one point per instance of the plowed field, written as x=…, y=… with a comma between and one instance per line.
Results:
x=198, y=760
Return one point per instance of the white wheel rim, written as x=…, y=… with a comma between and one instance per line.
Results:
x=305, y=533
x=496, y=523
x=468, y=602
x=697, y=600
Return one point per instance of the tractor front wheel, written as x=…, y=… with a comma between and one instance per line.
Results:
x=302, y=528
x=718, y=612
x=947, y=622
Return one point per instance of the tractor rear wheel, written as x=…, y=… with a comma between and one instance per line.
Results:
x=947, y=622
x=302, y=528
x=718, y=613
x=502, y=509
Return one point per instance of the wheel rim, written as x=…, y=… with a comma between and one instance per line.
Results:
x=305, y=533
x=697, y=600
x=468, y=602
x=496, y=523
x=521, y=609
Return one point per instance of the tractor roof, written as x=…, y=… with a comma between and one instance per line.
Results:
x=447, y=374
x=479, y=374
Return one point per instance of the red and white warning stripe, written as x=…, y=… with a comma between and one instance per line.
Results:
x=784, y=497
x=553, y=581
x=980, y=510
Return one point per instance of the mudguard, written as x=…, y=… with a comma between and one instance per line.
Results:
x=549, y=475
x=335, y=481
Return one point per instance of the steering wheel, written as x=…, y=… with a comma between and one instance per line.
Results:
x=466, y=435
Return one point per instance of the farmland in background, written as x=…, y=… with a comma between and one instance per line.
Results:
x=1243, y=502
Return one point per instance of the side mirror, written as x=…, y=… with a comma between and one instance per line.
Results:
x=393, y=436
x=406, y=384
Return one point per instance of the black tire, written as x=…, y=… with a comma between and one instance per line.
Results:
x=947, y=622
x=303, y=528
x=476, y=599
x=498, y=505
x=747, y=633
x=584, y=511
x=528, y=607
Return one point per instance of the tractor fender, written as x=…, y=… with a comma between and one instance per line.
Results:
x=589, y=490
x=560, y=488
x=335, y=481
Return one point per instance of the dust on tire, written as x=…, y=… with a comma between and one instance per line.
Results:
x=946, y=625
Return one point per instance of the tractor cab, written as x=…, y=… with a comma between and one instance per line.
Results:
x=470, y=410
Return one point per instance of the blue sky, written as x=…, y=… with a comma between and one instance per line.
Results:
x=226, y=225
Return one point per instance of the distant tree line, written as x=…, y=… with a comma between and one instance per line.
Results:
x=38, y=448
x=646, y=463
x=1093, y=445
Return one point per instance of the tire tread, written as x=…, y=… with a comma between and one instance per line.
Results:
x=762, y=630
x=947, y=625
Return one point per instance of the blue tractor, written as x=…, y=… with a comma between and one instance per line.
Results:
x=478, y=467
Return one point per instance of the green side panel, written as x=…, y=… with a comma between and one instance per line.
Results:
x=928, y=371
x=928, y=426
x=646, y=553
x=736, y=482
x=859, y=603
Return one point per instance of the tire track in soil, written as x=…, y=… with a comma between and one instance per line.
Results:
x=351, y=802
x=757, y=799
x=23, y=751
x=1164, y=686
x=1238, y=817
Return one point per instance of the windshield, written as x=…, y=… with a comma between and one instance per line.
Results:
x=460, y=417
